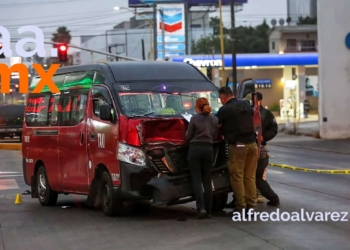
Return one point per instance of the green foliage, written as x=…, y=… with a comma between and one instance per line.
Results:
x=62, y=35
x=248, y=39
x=307, y=20
x=275, y=107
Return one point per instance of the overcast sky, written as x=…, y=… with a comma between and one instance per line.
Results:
x=85, y=17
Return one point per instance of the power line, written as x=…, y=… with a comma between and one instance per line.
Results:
x=50, y=16
x=31, y=4
x=65, y=24
x=75, y=20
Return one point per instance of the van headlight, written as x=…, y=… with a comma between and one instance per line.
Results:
x=131, y=155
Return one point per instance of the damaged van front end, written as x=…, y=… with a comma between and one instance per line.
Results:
x=153, y=162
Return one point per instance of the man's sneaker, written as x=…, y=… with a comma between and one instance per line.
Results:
x=230, y=205
x=201, y=214
x=273, y=203
x=209, y=216
x=260, y=199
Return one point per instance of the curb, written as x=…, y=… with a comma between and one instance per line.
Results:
x=310, y=170
x=11, y=146
x=310, y=148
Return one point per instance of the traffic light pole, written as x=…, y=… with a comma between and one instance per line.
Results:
x=119, y=58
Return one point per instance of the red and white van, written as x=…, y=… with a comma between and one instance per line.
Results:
x=116, y=132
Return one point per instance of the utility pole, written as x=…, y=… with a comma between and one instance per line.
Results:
x=234, y=65
x=222, y=49
x=155, y=49
x=163, y=36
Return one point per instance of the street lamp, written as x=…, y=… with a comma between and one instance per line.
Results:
x=150, y=22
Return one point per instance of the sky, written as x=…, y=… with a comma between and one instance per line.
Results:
x=90, y=17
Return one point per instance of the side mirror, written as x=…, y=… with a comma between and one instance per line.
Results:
x=105, y=112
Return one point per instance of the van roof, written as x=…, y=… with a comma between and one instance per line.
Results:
x=136, y=70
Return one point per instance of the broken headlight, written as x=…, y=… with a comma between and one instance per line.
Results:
x=131, y=155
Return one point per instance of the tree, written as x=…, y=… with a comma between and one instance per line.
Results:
x=62, y=35
x=307, y=20
x=248, y=40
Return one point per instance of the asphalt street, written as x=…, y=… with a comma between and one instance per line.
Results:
x=70, y=225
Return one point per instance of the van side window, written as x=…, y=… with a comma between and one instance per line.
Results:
x=37, y=110
x=73, y=106
x=55, y=108
x=100, y=96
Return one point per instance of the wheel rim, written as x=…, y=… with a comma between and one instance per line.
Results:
x=106, y=194
x=42, y=186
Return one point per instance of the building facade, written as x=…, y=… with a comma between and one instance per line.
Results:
x=291, y=39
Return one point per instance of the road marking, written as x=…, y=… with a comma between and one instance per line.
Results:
x=13, y=175
x=347, y=171
x=274, y=171
x=1, y=172
x=8, y=184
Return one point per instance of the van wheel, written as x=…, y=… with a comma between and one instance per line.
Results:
x=111, y=205
x=219, y=201
x=47, y=197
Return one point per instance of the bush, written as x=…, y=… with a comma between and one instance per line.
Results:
x=275, y=107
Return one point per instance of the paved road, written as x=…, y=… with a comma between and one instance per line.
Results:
x=31, y=226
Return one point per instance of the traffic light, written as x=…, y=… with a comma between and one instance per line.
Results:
x=17, y=88
x=2, y=56
x=209, y=73
x=62, y=53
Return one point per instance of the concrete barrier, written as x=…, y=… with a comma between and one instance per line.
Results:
x=11, y=146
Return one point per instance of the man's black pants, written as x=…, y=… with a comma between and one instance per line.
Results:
x=262, y=185
x=200, y=158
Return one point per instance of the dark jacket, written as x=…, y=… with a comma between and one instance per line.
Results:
x=231, y=121
x=202, y=128
x=268, y=124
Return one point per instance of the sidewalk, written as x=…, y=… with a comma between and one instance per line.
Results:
x=311, y=118
x=304, y=126
x=340, y=146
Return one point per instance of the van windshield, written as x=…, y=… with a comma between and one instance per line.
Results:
x=165, y=99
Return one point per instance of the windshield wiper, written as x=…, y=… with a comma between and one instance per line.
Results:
x=146, y=114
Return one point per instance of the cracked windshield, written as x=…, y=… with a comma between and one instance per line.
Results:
x=165, y=104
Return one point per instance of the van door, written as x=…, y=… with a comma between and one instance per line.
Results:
x=246, y=90
x=102, y=135
x=72, y=143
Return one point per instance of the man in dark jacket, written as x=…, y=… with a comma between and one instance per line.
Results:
x=235, y=116
x=269, y=131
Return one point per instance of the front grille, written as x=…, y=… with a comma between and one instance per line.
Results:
x=178, y=158
x=160, y=166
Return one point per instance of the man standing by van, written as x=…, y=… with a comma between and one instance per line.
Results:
x=235, y=118
x=269, y=131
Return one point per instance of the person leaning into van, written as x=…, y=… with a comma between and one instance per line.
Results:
x=269, y=131
x=200, y=135
x=235, y=118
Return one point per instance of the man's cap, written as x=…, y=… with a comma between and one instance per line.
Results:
x=259, y=96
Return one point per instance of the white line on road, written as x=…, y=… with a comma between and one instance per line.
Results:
x=5, y=176
x=8, y=184
x=274, y=171
x=11, y=172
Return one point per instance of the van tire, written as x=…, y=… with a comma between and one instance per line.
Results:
x=219, y=201
x=111, y=205
x=46, y=196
